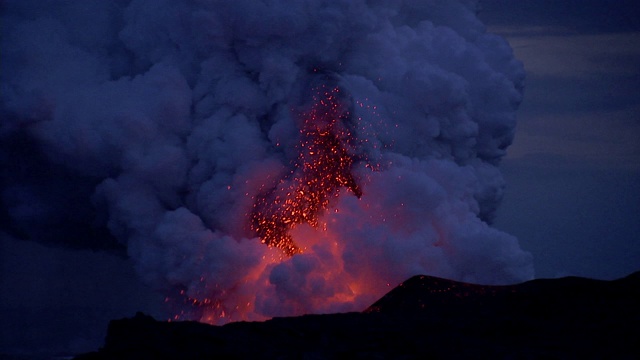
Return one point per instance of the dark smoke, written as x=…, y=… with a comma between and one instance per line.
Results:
x=154, y=125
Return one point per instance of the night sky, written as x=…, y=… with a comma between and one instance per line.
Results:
x=573, y=180
x=573, y=171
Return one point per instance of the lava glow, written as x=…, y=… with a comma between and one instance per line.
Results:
x=322, y=169
x=294, y=208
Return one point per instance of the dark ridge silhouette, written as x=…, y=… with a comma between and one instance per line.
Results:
x=425, y=316
x=566, y=296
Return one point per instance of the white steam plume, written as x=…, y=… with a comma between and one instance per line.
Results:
x=173, y=115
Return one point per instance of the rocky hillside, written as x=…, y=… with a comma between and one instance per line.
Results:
x=422, y=317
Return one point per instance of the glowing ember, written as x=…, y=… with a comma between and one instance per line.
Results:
x=323, y=167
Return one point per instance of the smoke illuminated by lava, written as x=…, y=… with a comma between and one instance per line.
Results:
x=185, y=131
x=323, y=168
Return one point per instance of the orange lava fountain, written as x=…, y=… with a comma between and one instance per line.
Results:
x=322, y=169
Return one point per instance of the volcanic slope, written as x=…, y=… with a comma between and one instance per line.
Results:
x=424, y=316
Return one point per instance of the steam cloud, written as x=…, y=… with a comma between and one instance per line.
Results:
x=161, y=121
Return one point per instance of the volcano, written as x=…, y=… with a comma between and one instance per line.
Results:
x=424, y=316
x=260, y=159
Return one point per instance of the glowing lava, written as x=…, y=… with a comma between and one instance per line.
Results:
x=322, y=169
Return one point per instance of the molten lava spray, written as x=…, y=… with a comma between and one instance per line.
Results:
x=322, y=169
x=184, y=131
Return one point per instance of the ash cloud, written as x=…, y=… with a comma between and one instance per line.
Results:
x=158, y=124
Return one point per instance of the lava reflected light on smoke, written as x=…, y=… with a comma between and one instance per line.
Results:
x=295, y=208
x=323, y=168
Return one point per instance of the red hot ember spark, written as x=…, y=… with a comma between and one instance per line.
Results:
x=322, y=169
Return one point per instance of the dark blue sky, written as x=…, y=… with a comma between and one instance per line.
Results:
x=573, y=171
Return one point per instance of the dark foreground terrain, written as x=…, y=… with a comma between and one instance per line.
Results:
x=425, y=317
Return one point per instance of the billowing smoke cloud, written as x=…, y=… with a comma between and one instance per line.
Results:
x=161, y=122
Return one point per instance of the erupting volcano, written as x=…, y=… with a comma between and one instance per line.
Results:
x=185, y=133
x=323, y=167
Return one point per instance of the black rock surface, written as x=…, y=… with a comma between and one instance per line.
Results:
x=424, y=317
